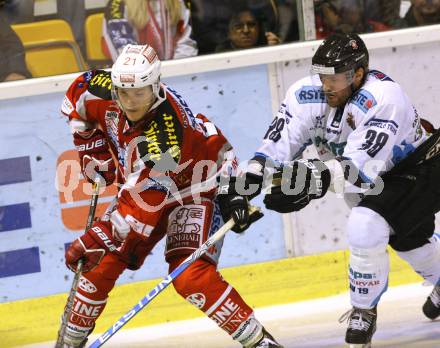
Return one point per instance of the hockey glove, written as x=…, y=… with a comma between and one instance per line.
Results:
x=235, y=206
x=95, y=156
x=297, y=184
x=91, y=247
x=248, y=185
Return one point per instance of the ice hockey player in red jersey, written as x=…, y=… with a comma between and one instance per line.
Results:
x=128, y=126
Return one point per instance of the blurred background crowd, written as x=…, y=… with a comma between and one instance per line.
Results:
x=51, y=37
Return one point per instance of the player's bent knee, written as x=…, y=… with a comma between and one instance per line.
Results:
x=203, y=286
x=196, y=277
x=367, y=229
x=365, y=254
x=425, y=260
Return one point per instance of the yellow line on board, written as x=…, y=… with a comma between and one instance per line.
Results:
x=262, y=284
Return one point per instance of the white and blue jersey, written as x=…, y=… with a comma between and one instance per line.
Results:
x=378, y=123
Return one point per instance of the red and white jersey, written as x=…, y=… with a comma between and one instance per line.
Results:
x=168, y=151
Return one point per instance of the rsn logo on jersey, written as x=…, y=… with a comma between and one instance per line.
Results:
x=310, y=94
x=364, y=100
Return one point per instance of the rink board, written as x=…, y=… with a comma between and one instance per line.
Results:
x=239, y=94
x=37, y=221
x=262, y=284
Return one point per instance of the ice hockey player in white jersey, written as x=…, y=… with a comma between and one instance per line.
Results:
x=368, y=135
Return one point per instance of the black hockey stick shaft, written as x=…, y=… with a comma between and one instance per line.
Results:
x=73, y=289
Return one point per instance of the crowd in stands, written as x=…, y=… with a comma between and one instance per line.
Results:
x=163, y=24
x=183, y=28
x=367, y=16
x=12, y=63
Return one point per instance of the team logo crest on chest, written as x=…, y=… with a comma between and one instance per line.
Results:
x=111, y=121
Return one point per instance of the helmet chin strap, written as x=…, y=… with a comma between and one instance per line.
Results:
x=157, y=90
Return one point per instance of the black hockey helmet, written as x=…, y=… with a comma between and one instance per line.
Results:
x=339, y=53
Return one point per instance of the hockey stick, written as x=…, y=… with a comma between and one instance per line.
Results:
x=167, y=281
x=73, y=289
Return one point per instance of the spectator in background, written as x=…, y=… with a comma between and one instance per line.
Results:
x=386, y=12
x=210, y=22
x=163, y=24
x=346, y=16
x=266, y=11
x=421, y=12
x=353, y=19
x=18, y=11
x=288, y=20
x=12, y=63
x=246, y=31
x=211, y=19
x=326, y=18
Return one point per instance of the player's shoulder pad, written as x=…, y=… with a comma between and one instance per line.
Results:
x=379, y=75
x=306, y=92
x=164, y=139
x=100, y=84
x=379, y=91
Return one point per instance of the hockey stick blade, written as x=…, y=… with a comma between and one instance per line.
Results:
x=167, y=281
x=69, y=305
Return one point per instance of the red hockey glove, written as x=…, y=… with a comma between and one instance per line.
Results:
x=95, y=156
x=92, y=246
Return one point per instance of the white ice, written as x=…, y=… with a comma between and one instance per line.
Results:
x=308, y=324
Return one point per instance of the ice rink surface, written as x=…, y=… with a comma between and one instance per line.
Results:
x=308, y=324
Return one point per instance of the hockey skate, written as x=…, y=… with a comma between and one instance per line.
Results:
x=267, y=341
x=361, y=326
x=81, y=344
x=74, y=339
x=431, y=308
